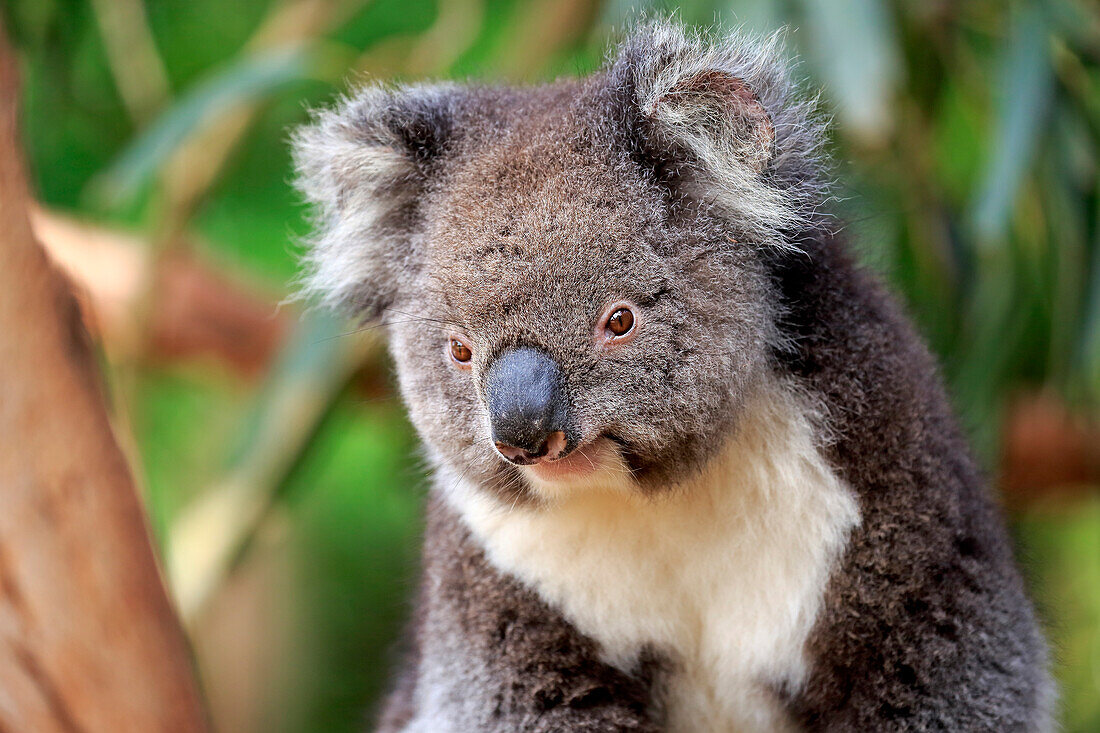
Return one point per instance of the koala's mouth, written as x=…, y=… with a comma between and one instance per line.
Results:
x=579, y=463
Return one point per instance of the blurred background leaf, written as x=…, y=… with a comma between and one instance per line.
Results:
x=246, y=79
x=279, y=468
x=862, y=80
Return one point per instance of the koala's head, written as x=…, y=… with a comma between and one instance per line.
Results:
x=574, y=276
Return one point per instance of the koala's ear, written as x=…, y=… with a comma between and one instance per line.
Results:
x=716, y=112
x=364, y=166
x=708, y=116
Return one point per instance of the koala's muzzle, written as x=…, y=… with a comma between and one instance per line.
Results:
x=528, y=406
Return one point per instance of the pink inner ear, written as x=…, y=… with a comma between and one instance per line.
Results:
x=721, y=92
x=720, y=85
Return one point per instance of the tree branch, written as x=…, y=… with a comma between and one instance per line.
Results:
x=88, y=638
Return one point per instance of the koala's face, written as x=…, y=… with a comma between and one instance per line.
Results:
x=570, y=295
x=564, y=331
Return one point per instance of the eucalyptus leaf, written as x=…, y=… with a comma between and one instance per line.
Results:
x=1090, y=337
x=854, y=45
x=206, y=539
x=247, y=79
x=1024, y=88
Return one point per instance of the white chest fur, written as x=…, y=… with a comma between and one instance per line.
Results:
x=724, y=576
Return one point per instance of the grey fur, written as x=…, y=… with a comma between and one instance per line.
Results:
x=687, y=178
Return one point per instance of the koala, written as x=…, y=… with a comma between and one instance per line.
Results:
x=692, y=468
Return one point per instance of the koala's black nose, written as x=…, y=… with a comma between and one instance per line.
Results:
x=528, y=409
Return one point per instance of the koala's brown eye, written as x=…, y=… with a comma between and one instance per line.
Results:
x=618, y=325
x=620, y=322
x=460, y=352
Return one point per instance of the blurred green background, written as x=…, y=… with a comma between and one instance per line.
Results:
x=282, y=478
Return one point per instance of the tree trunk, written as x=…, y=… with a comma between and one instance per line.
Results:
x=88, y=638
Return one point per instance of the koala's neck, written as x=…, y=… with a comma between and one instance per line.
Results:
x=723, y=576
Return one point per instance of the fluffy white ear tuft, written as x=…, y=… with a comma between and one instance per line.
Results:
x=725, y=116
x=363, y=166
x=713, y=107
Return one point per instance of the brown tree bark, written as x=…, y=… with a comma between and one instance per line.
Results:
x=88, y=638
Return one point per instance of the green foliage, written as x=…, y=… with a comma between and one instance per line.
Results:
x=246, y=79
x=1061, y=549
x=357, y=498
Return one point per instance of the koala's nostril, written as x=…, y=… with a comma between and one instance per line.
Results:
x=512, y=453
x=516, y=455
x=552, y=449
x=555, y=446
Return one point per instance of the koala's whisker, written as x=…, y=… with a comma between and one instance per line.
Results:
x=460, y=478
x=623, y=468
x=512, y=485
x=361, y=329
x=428, y=323
x=507, y=483
x=426, y=318
x=373, y=400
x=369, y=327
